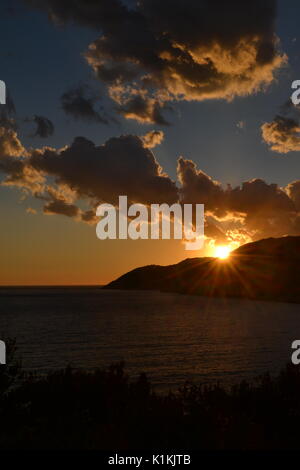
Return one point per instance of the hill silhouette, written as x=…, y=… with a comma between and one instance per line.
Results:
x=267, y=269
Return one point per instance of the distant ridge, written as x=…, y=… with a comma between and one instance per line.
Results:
x=268, y=269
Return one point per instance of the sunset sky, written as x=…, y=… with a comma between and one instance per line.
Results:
x=87, y=80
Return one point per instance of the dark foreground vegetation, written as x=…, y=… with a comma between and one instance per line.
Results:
x=104, y=410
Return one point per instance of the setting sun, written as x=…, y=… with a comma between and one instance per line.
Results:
x=222, y=252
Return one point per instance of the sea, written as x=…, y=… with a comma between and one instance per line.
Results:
x=173, y=338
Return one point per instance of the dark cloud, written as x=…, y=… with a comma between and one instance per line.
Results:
x=142, y=108
x=293, y=191
x=89, y=217
x=9, y=119
x=80, y=104
x=139, y=105
x=197, y=186
x=60, y=207
x=44, y=127
x=121, y=166
x=257, y=208
x=162, y=51
x=257, y=196
x=251, y=198
x=85, y=173
x=283, y=133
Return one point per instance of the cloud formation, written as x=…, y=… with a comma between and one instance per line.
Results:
x=73, y=180
x=251, y=211
x=44, y=127
x=120, y=166
x=152, y=139
x=10, y=120
x=84, y=171
x=80, y=103
x=283, y=133
x=157, y=52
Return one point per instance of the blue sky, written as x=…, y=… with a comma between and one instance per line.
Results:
x=40, y=61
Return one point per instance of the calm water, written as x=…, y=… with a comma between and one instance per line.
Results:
x=171, y=337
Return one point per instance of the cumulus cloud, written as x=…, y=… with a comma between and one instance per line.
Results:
x=156, y=52
x=83, y=170
x=10, y=145
x=73, y=180
x=293, y=191
x=152, y=139
x=120, y=166
x=258, y=197
x=197, y=186
x=283, y=133
x=80, y=103
x=253, y=210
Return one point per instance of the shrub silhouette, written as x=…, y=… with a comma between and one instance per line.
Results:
x=12, y=371
x=105, y=410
